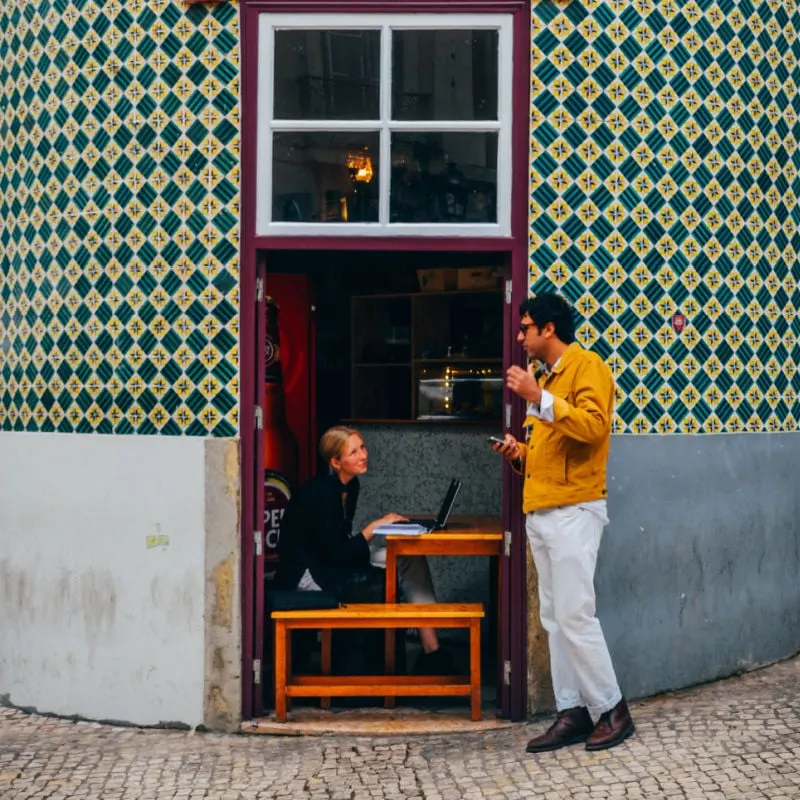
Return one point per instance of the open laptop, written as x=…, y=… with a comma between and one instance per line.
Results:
x=440, y=522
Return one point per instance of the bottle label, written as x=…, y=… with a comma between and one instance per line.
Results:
x=269, y=352
x=272, y=346
x=277, y=494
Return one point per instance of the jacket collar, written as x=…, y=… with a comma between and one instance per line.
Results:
x=566, y=358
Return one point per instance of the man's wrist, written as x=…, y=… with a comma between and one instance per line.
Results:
x=535, y=396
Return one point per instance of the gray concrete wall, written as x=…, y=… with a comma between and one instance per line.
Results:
x=410, y=468
x=699, y=571
x=102, y=550
x=119, y=577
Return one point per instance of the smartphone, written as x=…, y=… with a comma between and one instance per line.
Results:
x=496, y=440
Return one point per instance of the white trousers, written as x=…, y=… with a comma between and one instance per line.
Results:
x=564, y=543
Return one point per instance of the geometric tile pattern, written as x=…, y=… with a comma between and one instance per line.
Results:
x=664, y=179
x=119, y=207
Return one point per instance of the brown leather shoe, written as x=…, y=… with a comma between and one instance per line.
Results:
x=572, y=725
x=613, y=728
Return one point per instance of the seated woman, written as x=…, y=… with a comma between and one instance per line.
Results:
x=318, y=550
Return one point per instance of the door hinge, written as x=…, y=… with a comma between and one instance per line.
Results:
x=508, y=292
x=508, y=415
x=507, y=673
x=507, y=542
x=257, y=538
x=259, y=414
x=259, y=289
x=256, y=670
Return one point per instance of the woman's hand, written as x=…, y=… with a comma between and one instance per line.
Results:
x=510, y=449
x=390, y=519
x=386, y=519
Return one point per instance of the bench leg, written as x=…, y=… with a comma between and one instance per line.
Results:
x=475, y=668
x=281, y=673
x=389, y=657
x=289, y=668
x=325, y=702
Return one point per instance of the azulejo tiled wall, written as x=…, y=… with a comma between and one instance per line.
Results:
x=119, y=193
x=664, y=181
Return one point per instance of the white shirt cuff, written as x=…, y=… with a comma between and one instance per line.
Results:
x=544, y=409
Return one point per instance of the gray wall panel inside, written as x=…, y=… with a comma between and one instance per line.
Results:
x=410, y=470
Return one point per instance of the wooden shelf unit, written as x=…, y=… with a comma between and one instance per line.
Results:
x=398, y=338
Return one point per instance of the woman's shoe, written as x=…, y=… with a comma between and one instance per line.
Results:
x=437, y=662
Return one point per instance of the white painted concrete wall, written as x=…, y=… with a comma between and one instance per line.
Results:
x=96, y=617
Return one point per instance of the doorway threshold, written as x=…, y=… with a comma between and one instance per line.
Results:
x=374, y=722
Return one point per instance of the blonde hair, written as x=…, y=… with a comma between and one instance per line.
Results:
x=333, y=441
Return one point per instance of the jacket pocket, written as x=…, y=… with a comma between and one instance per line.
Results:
x=555, y=455
x=580, y=464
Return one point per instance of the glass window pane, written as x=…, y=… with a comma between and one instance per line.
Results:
x=327, y=74
x=444, y=75
x=444, y=177
x=325, y=177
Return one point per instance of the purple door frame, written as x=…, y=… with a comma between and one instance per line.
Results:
x=513, y=599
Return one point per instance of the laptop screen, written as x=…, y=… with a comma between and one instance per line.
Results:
x=447, y=504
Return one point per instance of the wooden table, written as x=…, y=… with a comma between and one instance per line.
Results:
x=476, y=535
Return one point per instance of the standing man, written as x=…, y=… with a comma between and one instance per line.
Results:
x=564, y=497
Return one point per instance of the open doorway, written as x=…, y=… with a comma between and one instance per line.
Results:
x=408, y=349
x=408, y=111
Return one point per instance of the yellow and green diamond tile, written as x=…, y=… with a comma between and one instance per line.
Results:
x=119, y=203
x=664, y=180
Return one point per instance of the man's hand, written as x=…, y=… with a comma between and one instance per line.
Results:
x=510, y=449
x=523, y=383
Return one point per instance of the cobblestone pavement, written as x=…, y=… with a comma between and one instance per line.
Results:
x=738, y=738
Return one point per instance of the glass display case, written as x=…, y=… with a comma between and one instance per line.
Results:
x=459, y=391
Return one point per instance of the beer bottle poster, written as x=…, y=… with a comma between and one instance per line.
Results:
x=277, y=493
x=280, y=445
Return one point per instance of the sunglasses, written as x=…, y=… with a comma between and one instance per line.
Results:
x=523, y=327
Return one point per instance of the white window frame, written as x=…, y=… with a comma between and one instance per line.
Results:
x=386, y=23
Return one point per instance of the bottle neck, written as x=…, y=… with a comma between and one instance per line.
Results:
x=274, y=403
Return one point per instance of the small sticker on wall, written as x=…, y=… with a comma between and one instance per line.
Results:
x=156, y=541
x=678, y=322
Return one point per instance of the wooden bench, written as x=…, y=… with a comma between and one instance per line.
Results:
x=378, y=616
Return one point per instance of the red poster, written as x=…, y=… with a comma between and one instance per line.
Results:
x=293, y=294
x=288, y=400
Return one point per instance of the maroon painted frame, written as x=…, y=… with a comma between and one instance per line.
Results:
x=513, y=696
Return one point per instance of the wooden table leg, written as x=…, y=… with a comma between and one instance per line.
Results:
x=326, y=662
x=391, y=633
x=280, y=671
x=289, y=638
x=475, y=668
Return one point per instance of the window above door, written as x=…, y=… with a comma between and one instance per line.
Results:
x=384, y=125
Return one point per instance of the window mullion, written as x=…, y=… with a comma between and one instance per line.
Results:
x=324, y=125
x=447, y=126
x=267, y=103
x=385, y=155
x=505, y=116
